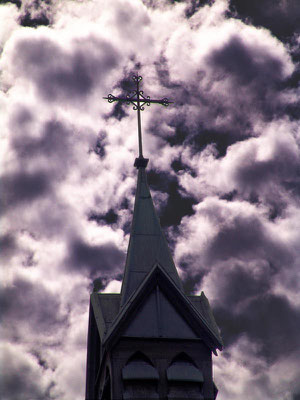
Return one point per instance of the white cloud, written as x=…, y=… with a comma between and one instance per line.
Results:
x=68, y=177
x=113, y=287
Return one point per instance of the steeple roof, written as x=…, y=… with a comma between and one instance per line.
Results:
x=147, y=244
x=152, y=302
x=158, y=308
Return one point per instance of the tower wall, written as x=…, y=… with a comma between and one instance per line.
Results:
x=93, y=356
x=157, y=342
x=161, y=353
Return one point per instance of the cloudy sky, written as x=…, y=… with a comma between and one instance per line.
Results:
x=224, y=174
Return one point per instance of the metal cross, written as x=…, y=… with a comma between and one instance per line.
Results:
x=138, y=100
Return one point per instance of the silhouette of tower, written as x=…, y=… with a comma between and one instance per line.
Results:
x=151, y=341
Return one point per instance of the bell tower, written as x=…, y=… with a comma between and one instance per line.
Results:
x=151, y=341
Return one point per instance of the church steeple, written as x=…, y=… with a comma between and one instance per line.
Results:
x=152, y=341
x=147, y=244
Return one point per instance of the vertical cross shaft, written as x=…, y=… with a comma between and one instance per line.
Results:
x=139, y=119
x=138, y=100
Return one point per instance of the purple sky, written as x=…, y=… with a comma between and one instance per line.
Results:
x=223, y=171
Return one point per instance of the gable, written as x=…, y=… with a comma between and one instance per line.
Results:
x=157, y=317
x=180, y=316
x=202, y=305
x=110, y=305
x=105, y=307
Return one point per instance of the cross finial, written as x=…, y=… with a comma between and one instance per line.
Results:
x=139, y=101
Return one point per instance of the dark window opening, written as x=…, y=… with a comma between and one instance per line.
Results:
x=185, y=380
x=140, y=378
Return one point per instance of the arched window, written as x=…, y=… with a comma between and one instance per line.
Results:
x=185, y=380
x=140, y=378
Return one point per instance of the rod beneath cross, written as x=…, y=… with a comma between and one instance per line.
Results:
x=139, y=101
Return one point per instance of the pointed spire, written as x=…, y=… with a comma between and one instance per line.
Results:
x=147, y=244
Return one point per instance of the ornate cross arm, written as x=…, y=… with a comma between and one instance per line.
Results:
x=138, y=100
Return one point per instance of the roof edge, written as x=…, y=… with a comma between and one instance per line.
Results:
x=149, y=281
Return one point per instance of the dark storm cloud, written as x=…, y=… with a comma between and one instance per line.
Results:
x=227, y=88
x=251, y=264
x=273, y=181
x=21, y=376
x=268, y=320
x=197, y=139
x=60, y=74
x=20, y=382
x=253, y=68
x=23, y=187
x=191, y=282
x=179, y=166
x=126, y=85
x=52, y=144
x=281, y=17
x=117, y=112
x=178, y=205
x=7, y=246
x=236, y=85
x=109, y=218
x=222, y=140
x=238, y=285
x=257, y=176
x=40, y=359
x=246, y=65
x=196, y=131
x=194, y=5
x=99, y=284
x=99, y=259
x=18, y=3
x=101, y=142
x=246, y=238
x=32, y=305
x=35, y=13
x=22, y=117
